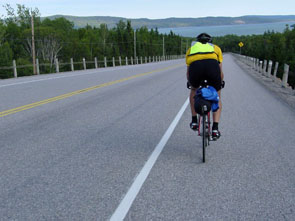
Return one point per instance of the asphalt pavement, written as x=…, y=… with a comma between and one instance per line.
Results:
x=72, y=145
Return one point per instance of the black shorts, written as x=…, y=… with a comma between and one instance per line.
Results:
x=205, y=70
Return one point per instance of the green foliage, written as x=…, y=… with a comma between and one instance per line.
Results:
x=22, y=16
x=26, y=67
x=277, y=47
x=58, y=38
x=5, y=60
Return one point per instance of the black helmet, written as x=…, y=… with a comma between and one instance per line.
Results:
x=204, y=38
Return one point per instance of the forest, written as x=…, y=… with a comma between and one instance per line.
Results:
x=271, y=45
x=58, y=38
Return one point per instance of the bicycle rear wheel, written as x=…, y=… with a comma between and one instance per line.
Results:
x=204, y=137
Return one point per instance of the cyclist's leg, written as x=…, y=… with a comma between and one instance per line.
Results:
x=192, y=101
x=217, y=114
x=214, y=79
x=194, y=124
x=216, y=117
x=194, y=77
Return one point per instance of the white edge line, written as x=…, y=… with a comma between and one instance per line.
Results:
x=52, y=78
x=130, y=196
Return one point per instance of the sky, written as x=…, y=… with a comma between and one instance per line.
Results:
x=155, y=9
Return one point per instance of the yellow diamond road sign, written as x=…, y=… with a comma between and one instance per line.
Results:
x=241, y=44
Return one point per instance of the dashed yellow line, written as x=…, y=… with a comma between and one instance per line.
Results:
x=39, y=103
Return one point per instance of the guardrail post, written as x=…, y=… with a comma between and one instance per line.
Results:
x=37, y=66
x=264, y=67
x=153, y=58
x=253, y=63
x=275, y=71
x=56, y=65
x=285, y=75
x=126, y=60
x=136, y=60
x=84, y=63
x=14, y=68
x=260, y=66
x=105, y=62
x=141, y=60
x=145, y=60
x=72, y=64
x=269, y=68
x=256, y=64
x=114, y=62
x=95, y=62
x=120, y=61
x=132, y=60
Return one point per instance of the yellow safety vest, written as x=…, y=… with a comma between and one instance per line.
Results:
x=199, y=48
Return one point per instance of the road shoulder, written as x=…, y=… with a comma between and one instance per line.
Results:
x=285, y=94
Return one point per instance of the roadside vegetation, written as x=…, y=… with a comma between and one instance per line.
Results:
x=58, y=38
x=274, y=46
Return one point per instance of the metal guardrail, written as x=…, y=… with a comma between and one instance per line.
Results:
x=96, y=63
x=264, y=67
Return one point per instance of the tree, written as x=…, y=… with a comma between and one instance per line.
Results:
x=2, y=32
x=22, y=16
x=5, y=60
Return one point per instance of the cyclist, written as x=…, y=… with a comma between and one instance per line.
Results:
x=204, y=62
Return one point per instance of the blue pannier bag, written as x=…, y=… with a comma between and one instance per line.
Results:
x=207, y=96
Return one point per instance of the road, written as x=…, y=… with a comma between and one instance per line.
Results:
x=74, y=144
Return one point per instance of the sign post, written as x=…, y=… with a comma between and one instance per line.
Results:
x=241, y=44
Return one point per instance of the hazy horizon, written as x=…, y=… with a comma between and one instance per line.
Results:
x=153, y=9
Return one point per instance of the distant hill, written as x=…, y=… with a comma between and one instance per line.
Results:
x=175, y=22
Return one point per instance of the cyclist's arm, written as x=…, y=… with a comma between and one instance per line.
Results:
x=220, y=59
x=221, y=71
x=186, y=61
x=187, y=72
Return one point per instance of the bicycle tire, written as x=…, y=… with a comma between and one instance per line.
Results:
x=204, y=137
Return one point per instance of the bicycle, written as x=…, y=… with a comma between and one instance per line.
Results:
x=203, y=109
x=204, y=130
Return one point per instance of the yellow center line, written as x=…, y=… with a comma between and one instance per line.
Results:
x=60, y=97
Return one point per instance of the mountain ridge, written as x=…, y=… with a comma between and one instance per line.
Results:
x=173, y=22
